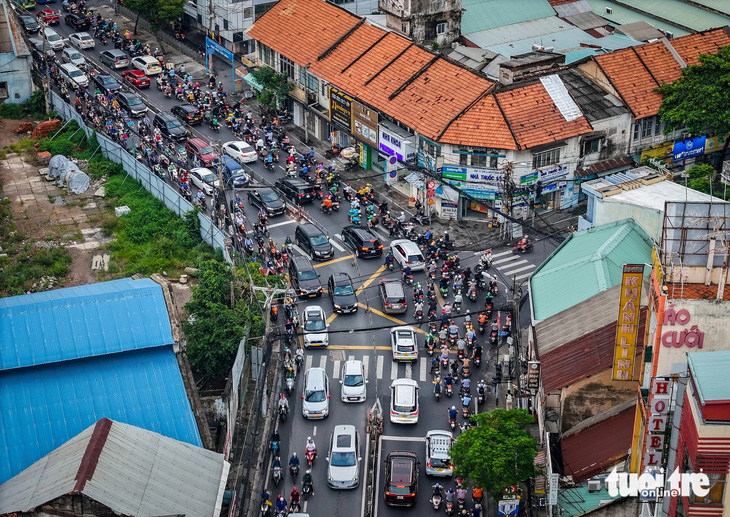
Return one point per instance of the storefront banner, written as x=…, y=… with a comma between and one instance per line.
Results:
x=454, y=173
x=528, y=179
x=552, y=187
x=473, y=175
x=365, y=124
x=662, y=153
x=396, y=145
x=448, y=210
x=299, y=94
x=714, y=144
x=627, y=329
x=553, y=172
x=689, y=148
x=340, y=110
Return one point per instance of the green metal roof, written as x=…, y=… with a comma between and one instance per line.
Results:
x=579, y=500
x=489, y=14
x=709, y=371
x=585, y=264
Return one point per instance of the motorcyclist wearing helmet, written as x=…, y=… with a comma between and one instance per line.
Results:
x=452, y=413
x=437, y=490
x=280, y=505
x=284, y=403
x=294, y=498
x=310, y=446
x=294, y=460
x=308, y=480
x=450, y=495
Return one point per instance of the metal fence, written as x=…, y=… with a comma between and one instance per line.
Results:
x=172, y=199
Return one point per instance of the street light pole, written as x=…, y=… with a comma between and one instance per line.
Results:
x=47, y=81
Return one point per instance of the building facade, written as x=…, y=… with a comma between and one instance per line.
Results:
x=16, y=83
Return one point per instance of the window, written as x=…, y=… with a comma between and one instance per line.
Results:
x=308, y=80
x=637, y=128
x=592, y=146
x=478, y=160
x=325, y=90
x=647, y=127
x=440, y=28
x=200, y=19
x=225, y=24
x=717, y=491
x=429, y=148
x=546, y=158
x=4, y=90
x=247, y=12
x=463, y=156
x=286, y=66
x=492, y=162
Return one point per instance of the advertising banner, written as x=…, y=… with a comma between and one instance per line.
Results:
x=365, y=124
x=689, y=148
x=628, y=322
x=340, y=109
x=533, y=375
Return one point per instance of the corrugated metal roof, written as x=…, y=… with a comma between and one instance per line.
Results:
x=599, y=447
x=130, y=470
x=84, y=321
x=44, y=406
x=586, y=21
x=709, y=372
x=571, y=8
x=593, y=101
x=719, y=5
x=621, y=15
x=489, y=14
x=585, y=264
x=679, y=12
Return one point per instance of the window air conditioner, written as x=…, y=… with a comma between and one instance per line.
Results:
x=609, y=10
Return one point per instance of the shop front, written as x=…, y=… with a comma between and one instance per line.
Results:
x=394, y=141
x=353, y=125
x=556, y=194
x=676, y=156
x=482, y=189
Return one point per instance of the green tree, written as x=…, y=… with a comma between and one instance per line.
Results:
x=497, y=452
x=156, y=12
x=274, y=87
x=702, y=179
x=700, y=98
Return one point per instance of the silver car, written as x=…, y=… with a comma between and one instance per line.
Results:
x=316, y=397
x=114, y=58
x=343, y=471
x=354, y=383
x=404, y=344
x=407, y=253
x=73, y=56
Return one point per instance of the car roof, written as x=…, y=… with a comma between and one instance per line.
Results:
x=301, y=262
x=403, y=454
x=186, y=107
x=402, y=328
x=343, y=430
x=341, y=277
x=201, y=170
x=269, y=189
x=353, y=366
x=165, y=116
x=317, y=373
x=314, y=309
x=405, y=243
x=404, y=382
x=114, y=51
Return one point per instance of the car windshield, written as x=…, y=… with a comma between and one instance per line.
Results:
x=75, y=73
x=343, y=290
x=53, y=37
x=107, y=80
x=85, y=38
x=404, y=346
x=134, y=101
x=207, y=150
x=314, y=396
x=318, y=240
x=74, y=55
x=415, y=258
x=269, y=196
x=314, y=325
x=172, y=123
x=440, y=463
x=354, y=380
x=343, y=459
x=307, y=275
x=207, y=177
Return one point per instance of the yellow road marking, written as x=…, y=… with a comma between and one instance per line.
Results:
x=439, y=298
x=332, y=317
x=333, y=261
x=370, y=280
x=391, y=318
x=359, y=289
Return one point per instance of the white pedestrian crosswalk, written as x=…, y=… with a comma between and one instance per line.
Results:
x=511, y=265
x=383, y=367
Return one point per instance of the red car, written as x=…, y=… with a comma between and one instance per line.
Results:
x=137, y=78
x=47, y=16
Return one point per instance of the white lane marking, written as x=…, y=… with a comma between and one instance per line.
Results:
x=308, y=362
x=379, y=367
x=525, y=275
x=338, y=236
x=314, y=431
x=377, y=480
x=409, y=370
x=299, y=250
x=402, y=438
x=323, y=361
x=523, y=268
x=336, y=369
x=304, y=506
x=334, y=243
x=500, y=254
x=366, y=365
x=364, y=491
x=422, y=363
x=292, y=221
x=393, y=370
x=513, y=258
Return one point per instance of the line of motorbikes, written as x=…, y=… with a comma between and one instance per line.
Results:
x=455, y=501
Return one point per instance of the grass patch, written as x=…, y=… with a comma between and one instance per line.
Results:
x=151, y=239
x=22, y=268
x=34, y=107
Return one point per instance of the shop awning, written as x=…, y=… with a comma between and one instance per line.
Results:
x=249, y=78
x=415, y=179
x=447, y=193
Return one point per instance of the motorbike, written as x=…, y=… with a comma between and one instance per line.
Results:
x=214, y=127
x=269, y=166
x=445, y=363
x=295, y=508
x=481, y=392
x=436, y=393
x=527, y=248
x=493, y=336
x=409, y=280
x=452, y=423
x=310, y=457
x=457, y=306
x=472, y=294
x=460, y=502
x=265, y=509
x=391, y=265
x=449, y=390
x=276, y=476
x=485, y=262
x=430, y=346
x=436, y=501
x=294, y=470
x=419, y=317
x=289, y=384
x=306, y=490
x=449, y=507
x=282, y=413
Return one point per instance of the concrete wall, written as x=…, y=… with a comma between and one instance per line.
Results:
x=711, y=320
x=15, y=70
x=608, y=211
x=617, y=132
x=624, y=507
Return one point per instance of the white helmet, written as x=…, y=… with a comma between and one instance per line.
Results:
x=453, y=407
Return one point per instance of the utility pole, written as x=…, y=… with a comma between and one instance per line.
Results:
x=47, y=81
x=508, y=189
x=517, y=296
x=211, y=17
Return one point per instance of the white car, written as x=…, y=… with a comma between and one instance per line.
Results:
x=438, y=453
x=404, y=401
x=204, y=179
x=54, y=39
x=72, y=75
x=344, y=458
x=404, y=343
x=82, y=40
x=314, y=326
x=240, y=151
x=407, y=253
x=354, y=382
x=73, y=56
x=147, y=64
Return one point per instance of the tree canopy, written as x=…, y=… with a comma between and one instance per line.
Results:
x=497, y=452
x=156, y=12
x=275, y=87
x=700, y=98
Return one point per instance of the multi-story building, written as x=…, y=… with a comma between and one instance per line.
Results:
x=15, y=60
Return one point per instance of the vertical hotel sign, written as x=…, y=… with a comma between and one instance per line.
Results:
x=340, y=110
x=628, y=322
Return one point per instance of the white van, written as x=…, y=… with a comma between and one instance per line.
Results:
x=314, y=326
x=404, y=401
x=72, y=75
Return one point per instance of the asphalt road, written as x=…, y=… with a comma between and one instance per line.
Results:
x=363, y=335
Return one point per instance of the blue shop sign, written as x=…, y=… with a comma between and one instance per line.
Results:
x=689, y=148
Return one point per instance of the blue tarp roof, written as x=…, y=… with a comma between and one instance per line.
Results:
x=42, y=407
x=82, y=321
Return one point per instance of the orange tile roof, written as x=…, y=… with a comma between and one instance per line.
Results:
x=302, y=29
x=482, y=125
x=696, y=292
x=634, y=83
x=660, y=62
x=535, y=119
x=691, y=46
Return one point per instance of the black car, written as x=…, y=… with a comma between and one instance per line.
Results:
x=268, y=198
x=296, y=189
x=304, y=279
x=401, y=478
x=342, y=293
x=170, y=127
x=77, y=21
x=132, y=103
x=30, y=24
x=363, y=241
x=187, y=113
x=106, y=83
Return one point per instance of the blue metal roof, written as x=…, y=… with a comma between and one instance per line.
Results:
x=83, y=321
x=489, y=14
x=42, y=407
